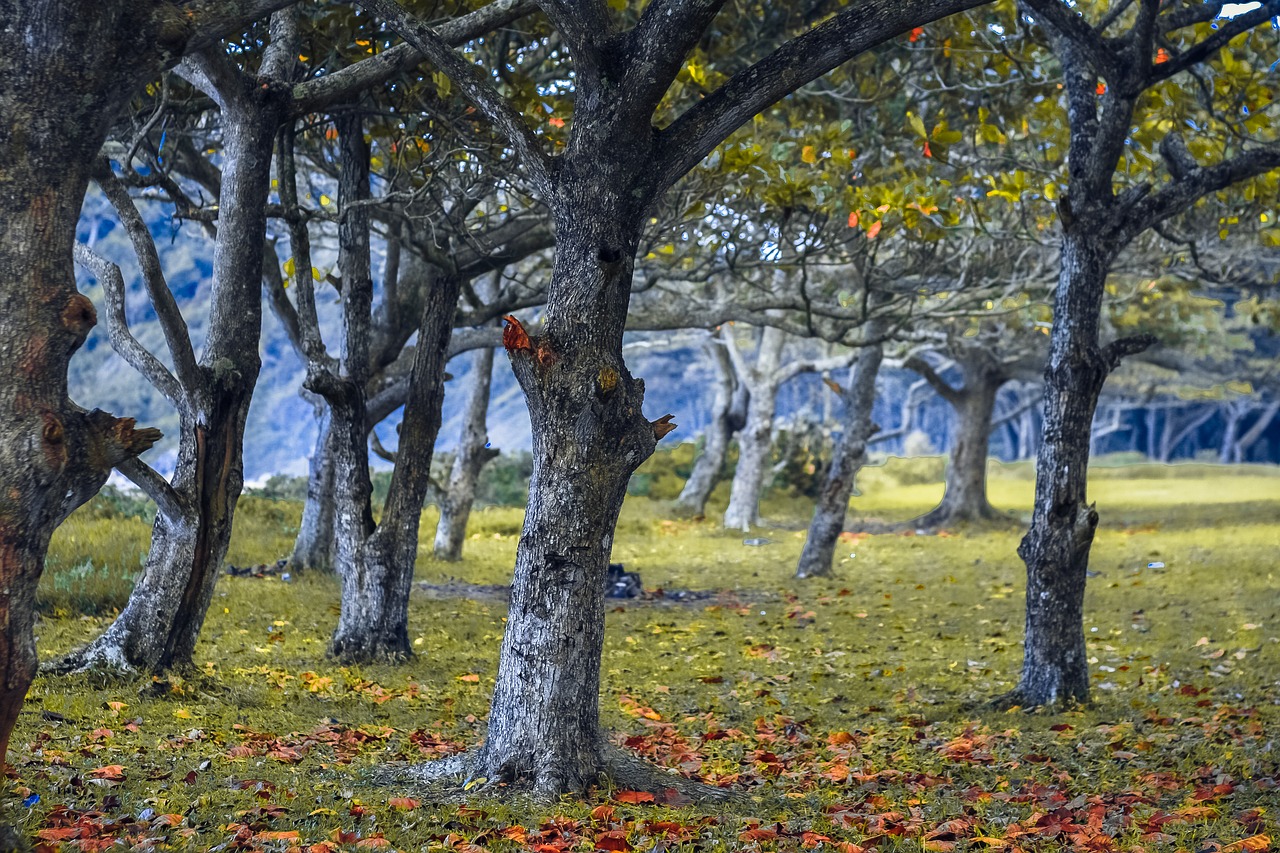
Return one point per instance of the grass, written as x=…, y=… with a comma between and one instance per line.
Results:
x=842, y=707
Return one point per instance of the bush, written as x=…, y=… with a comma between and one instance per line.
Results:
x=281, y=487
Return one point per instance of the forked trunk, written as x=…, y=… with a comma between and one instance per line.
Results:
x=313, y=549
x=1055, y=666
x=377, y=569
x=847, y=459
x=473, y=454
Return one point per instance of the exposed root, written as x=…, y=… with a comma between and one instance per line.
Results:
x=94, y=657
x=465, y=775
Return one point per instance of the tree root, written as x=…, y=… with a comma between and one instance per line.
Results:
x=462, y=776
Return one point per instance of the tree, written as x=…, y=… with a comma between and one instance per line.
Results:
x=64, y=74
x=1111, y=83
x=728, y=416
x=585, y=408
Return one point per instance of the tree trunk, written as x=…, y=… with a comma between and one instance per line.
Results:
x=728, y=414
x=158, y=627
x=473, y=454
x=313, y=549
x=1056, y=548
x=965, y=498
x=754, y=439
x=589, y=435
x=1255, y=432
x=377, y=570
x=847, y=459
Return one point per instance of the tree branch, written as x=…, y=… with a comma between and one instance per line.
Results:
x=210, y=21
x=1225, y=32
x=314, y=95
x=585, y=26
x=1116, y=351
x=122, y=340
x=660, y=41
x=916, y=364
x=705, y=125
x=177, y=337
x=156, y=487
x=475, y=87
x=1071, y=24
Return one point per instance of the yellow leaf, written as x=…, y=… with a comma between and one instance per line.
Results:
x=917, y=124
x=1051, y=191
x=290, y=267
x=808, y=155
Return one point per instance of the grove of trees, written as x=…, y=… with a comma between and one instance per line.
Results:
x=989, y=195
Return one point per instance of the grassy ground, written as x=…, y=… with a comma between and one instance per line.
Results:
x=842, y=709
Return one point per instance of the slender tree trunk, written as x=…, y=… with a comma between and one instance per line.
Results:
x=313, y=549
x=1255, y=432
x=1056, y=548
x=158, y=627
x=728, y=414
x=847, y=459
x=472, y=455
x=754, y=439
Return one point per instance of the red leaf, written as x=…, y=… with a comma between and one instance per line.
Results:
x=634, y=797
x=514, y=337
x=915, y=34
x=874, y=230
x=927, y=151
x=853, y=219
x=113, y=772
x=613, y=840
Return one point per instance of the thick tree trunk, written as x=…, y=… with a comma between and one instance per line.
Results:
x=728, y=415
x=313, y=549
x=755, y=438
x=589, y=435
x=63, y=76
x=847, y=459
x=158, y=627
x=472, y=455
x=1056, y=548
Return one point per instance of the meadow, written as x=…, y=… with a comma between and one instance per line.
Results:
x=845, y=713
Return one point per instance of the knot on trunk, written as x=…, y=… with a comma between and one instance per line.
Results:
x=79, y=317
x=53, y=442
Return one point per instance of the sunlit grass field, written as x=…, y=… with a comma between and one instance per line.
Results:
x=847, y=708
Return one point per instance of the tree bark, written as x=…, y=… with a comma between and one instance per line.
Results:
x=848, y=457
x=472, y=455
x=313, y=549
x=754, y=439
x=1056, y=547
x=728, y=416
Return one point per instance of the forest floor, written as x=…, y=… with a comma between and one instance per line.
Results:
x=845, y=711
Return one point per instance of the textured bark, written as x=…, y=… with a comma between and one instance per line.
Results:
x=313, y=549
x=159, y=625
x=848, y=456
x=755, y=437
x=472, y=455
x=63, y=76
x=728, y=416
x=1056, y=548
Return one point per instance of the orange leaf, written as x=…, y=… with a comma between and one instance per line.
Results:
x=406, y=803
x=662, y=426
x=470, y=678
x=874, y=230
x=555, y=121
x=915, y=34
x=832, y=384
x=1162, y=56
x=1102, y=88
x=927, y=151
x=287, y=835
x=514, y=337
x=853, y=219
x=113, y=772
x=374, y=841
x=615, y=839
x=1253, y=844
x=634, y=797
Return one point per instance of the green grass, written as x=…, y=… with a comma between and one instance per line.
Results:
x=892, y=651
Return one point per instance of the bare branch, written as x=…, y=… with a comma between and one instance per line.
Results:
x=176, y=335
x=1114, y=352
x=475, y=87
x=210, y=21
x=702, y=127
x=156, y=487
x=1068, y=22
x=585, y=26
x=347, y=82
x=917, y=364
x=660, y=41
x=122, y=340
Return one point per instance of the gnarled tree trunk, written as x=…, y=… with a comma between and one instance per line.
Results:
x=473, y=454
x=847, y=459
